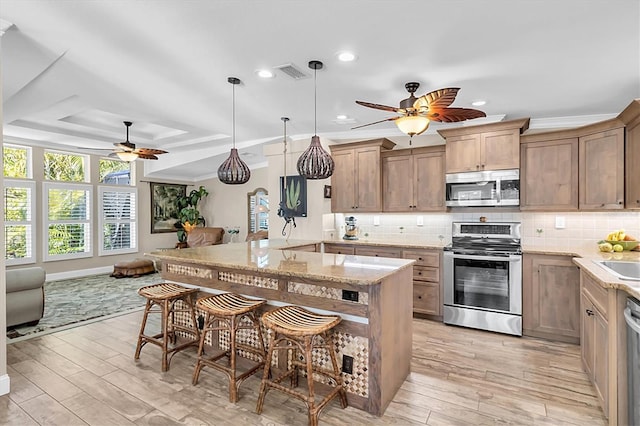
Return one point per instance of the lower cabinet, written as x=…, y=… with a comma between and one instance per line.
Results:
x=595, y=338
x=426, y=281
x=427, y=291
x=551, y=298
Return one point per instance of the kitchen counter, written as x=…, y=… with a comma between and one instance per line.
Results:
x=417, y=243
x=373, y=295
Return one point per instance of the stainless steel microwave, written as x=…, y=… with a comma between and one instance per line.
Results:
x=487, y=188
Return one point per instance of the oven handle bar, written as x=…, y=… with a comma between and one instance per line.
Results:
x=510, y=258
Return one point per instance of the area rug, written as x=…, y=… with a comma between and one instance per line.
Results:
x=79, y=300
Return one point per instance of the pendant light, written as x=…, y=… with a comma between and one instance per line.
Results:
x=234, y=171
x=315, y=162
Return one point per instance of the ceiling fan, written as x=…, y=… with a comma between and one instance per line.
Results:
x=127, y=151
x=414, y=114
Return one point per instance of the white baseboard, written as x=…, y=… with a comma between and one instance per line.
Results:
x=5, y=384
x=79, y=273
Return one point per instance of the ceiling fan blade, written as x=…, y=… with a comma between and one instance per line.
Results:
x=125, y=146
x=376, y=122
x=452, y=115
x=378, y=106
x=440, y=98
x=147, y=156
x=149, y=151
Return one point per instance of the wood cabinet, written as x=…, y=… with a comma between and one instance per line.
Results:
x=602, y=170
x=549, y=174
x=427, y=291
x=413, y=180
x=631, y=118
x=356, y=184
x=376, y=251
x=494, y=146
x=595, y=338
x=550, y=298
x=338, y=249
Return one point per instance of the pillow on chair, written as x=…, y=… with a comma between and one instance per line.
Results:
x=200, y=237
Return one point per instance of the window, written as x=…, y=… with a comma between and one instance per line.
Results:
x=19, y=230
x=115, y=172
x=67, y=220
x=118, y=230
x=17, y=161
x=64, y=167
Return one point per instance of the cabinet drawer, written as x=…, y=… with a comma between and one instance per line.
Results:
x=426, y=298
x=423, y=273
x=596, y=293
x=338, y=249
x=378, y=252
x=310, y=248
x=423, y=258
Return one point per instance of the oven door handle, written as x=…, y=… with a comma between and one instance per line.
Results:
x=510, y=258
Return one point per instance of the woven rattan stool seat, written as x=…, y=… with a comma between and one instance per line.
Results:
x=228, y=304
x=296, y=335
x=165, y=291
x=296, y=321
x=228, y=313
x=168, y=299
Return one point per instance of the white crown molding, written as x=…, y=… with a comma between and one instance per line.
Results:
x=4, y=26
x=568, y=122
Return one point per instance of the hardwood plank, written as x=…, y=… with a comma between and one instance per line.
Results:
x=94, y=412
x=53, y=384
x=21, y=388
x=46, y=356
x=12, y=414
x=45, y=410
x=84, y=359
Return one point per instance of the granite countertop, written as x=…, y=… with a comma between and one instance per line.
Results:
x=280, y=257
x=410, y=243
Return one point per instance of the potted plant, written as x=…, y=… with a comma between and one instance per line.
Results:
x=188, y=214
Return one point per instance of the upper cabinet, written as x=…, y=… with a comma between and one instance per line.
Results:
x=356, y=184
x=413, y=180
x=602, y=170
x=549, y=174
x=580, y=168
x=494, y=146
x=631, y=118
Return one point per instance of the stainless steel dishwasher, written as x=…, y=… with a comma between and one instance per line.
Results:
x=632, y=317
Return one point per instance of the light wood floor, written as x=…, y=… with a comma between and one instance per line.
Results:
x=87, y=375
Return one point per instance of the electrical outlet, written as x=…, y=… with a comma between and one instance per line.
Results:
x=376, y=221
x=350, y=295
x=347, y=364
x=419, y=221
x=560, y=222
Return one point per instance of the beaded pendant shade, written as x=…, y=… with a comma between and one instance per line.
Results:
x=234, y=171
x=315, y=162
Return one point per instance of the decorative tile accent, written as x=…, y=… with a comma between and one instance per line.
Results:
x=189, y=271
x=326, y=292
x=263, y=282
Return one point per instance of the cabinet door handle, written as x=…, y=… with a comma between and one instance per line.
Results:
x=590, y=312
x=602, y=205
x=483, y=167
x=619, y=202
x=419, y=297
x=419, y=273
x=477, y=166
x=419, y=258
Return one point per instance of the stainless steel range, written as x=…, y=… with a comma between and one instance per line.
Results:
x=483, y=277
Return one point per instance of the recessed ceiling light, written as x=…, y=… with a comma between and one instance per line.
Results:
x=478, y=103
x=265, y=73
x=341, y=117
x=346, y=56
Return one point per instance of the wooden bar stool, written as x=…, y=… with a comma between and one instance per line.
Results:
x=225, y=312
x=162, y=298
x=299, y=329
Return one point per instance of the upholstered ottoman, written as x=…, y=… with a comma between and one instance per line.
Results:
x=133, y=268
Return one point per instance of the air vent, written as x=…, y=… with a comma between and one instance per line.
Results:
x=292, y=71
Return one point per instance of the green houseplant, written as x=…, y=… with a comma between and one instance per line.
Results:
x=188, y=215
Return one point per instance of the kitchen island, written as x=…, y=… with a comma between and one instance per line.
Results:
x=373, y=295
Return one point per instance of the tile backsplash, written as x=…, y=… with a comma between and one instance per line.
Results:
x=581, y=229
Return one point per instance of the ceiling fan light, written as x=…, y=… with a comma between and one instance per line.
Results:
x=127, y=156
x=412, y=124
x=234, y=171
x=315, y=162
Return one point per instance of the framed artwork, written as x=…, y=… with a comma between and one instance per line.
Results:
x=164, y=211
x=295, y=197
x=327, y=191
